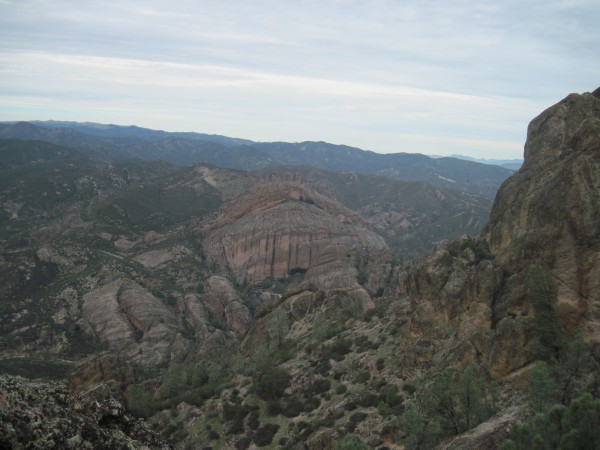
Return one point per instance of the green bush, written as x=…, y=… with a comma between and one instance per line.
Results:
x=253, y=419
x=362, y=377
x=311, y=403
x=274, y=407
x=351, y=442
x=235, y=414
x=354, y=420
x=272, y=383
x=392, y=396
x=368, y=399
x=543, y=387
x=320, y=386
x=341, y=389
x=264, y=435
x=293, y=406
x=448, y=405
x=243, y=443
x=478, y=248
x=323, y=366
x=140, y=401
x=338, y=348
x=560, y=427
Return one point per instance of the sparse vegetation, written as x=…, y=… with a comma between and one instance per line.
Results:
x=576, y=426
x=351, y=442
x=447, y=405
x=45, y=368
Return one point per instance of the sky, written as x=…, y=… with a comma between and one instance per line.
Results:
x=433, y=77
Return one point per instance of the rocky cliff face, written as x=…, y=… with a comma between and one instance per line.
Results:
x=550, y=209
x=283, y=226
x=469, y=299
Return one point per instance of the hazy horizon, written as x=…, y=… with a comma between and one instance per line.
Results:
x=454, y=155
x=387, y=76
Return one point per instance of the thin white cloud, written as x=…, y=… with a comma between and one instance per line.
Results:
x=371, y=74
x=169, y=74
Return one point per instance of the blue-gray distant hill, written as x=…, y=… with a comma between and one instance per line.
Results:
x=118, y=142
x=512, y=164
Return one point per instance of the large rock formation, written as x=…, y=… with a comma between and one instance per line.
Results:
x=469, y=298
x=131, y=320
x=283, y=226
x=225, y=304
x=550, y=209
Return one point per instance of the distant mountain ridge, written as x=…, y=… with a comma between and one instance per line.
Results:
x=190, y=148
x=146, y=134
x=513, y=164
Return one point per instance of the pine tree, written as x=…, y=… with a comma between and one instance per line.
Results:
x=541, y=290
x=278, y=327
x=542, y=387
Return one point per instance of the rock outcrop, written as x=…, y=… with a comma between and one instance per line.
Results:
x=47, y=415
x=225, y=304
x=487, y=435
x=469, y=298
x=283, y=226
x=550, y=209
x=131, y=320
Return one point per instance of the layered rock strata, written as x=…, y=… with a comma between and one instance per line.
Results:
x=283, y=226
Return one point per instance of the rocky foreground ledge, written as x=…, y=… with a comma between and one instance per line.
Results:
x=47, y=416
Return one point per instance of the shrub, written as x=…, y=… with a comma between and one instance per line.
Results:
x=351, y=442
x=311, y=403
x=362, y=377
x=392, y=396
x=253, y=420
x=235, y=414
x=323, y=366
x=445, y=407
x=320, y=386
x=409, y=388
x=368, y=399
x=542, y=387
x=478, y=248
x=243, y=443
x=213, y=435
x=354, y=420
x=341, y=389
x=338, y=348
x=140, y=401
x=264, y=435
x=574, y=427
x=322, y=329
x=362, y=343
x=293, y=406
x=272, y=383
x=350, y=405
x=273, y=407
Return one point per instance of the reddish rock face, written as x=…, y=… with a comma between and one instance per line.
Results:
x=283, y=226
